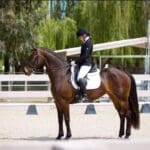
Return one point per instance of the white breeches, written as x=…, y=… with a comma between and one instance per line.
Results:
x=83, y=72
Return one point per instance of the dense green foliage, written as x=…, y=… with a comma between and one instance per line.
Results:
x=18, y=20
x=57, y=34
x=25, y=22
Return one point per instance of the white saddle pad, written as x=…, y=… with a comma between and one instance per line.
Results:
x=93, y=79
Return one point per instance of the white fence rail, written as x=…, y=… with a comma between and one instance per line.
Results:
x=38, y=86
x=22, y=86
x=137, y=42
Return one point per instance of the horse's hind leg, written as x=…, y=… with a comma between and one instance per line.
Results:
x=122, y=123
x=126, y=114
x=128, y=127
x=122, y=107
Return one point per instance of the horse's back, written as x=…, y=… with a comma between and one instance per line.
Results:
x=115, y=79
x=114, y=73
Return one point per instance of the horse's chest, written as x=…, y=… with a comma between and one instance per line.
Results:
x=62, y=91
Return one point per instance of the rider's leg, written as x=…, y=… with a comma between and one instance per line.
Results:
x=82, y=81
x=83, y=72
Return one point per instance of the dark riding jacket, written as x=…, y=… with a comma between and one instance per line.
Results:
x=86, y=54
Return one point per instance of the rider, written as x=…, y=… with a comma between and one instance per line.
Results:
x=85, y=61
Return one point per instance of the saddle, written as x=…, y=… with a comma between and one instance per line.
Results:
x=93, y=77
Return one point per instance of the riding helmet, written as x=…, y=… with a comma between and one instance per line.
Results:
x=81, y=32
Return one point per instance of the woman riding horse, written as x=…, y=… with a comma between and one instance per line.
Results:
x=84, y=62
x=118, y=85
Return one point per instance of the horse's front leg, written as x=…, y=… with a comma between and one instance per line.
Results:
x=67, y=121
x=60, y=122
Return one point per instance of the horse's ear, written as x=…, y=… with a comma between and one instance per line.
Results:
x=34, y=50
x=34, y=47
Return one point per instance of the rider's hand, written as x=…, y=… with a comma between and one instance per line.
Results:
x=73, y=62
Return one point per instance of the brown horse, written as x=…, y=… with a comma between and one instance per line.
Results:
x=119, y=85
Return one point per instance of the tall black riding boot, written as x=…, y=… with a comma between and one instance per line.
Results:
x=82, y=84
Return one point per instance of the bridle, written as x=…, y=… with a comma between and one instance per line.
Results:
x=35, y=64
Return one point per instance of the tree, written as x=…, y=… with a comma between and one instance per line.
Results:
x=114, y=20
x=57, y=34
x=24, y=22
x=17, y=24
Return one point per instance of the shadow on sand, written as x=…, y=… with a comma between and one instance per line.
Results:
x=63, y=139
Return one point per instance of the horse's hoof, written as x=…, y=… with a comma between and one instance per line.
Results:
x=68, y=137
x=126, y=137
x=85, y=102
x=120, y=135
x=59, y=137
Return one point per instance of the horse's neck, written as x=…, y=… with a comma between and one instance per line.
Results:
x=56, y=68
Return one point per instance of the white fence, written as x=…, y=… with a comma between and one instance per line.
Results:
x=21, y=86
x=38, y=86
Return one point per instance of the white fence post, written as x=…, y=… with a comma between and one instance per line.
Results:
x=148, y=53
x=49, y=87
x=0, y=86
x=147, y=61
x=25, y=86
x=100, y=62
x=9, y=85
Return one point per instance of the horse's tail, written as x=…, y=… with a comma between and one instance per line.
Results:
x=133, y=104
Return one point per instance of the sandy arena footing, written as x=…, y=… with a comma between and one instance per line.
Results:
x=100, y=131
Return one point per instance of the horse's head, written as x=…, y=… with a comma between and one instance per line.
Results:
x=35, y=61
